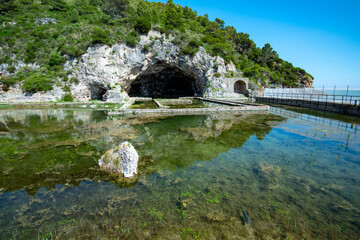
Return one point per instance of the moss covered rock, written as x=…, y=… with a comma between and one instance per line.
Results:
x=122, y=160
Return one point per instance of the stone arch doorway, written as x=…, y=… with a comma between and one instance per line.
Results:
x=240, y=87
x=162, y=80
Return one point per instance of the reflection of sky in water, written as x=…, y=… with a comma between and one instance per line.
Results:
x=198, y=172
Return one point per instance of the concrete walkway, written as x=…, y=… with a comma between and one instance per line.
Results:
x=193, y=111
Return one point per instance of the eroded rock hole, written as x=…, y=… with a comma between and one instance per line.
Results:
x=162, y=81
x=97, y=92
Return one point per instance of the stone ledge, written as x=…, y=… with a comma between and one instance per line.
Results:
x=191, y=111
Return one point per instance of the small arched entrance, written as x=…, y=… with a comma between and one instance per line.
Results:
x=164, y=81
x=240, y=87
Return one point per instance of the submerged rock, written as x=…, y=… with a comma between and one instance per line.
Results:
x=123, y=159
x=3, y=126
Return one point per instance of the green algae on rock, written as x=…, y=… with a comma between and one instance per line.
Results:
x=122, y=160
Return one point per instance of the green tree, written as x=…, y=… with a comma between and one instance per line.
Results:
x=37, y=82
x=220, y=22
x=268, y=53
x=7, y=5
x=172, y=15
x=68, y=97
x=142, y=25
x=143, y=10
x=30, y=52
x=83, y=7
x=132, y=39
x=243, y=42
x=116, y=8
x=74, y=15
x=7, y=81
x=100, y=36
x=56, y=59
x=56, y=5
x=189, y=13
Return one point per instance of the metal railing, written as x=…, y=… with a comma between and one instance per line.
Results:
x=344, y=126
x=327, y=98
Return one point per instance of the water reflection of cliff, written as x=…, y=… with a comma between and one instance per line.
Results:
x=43, y=148
x=186, y=139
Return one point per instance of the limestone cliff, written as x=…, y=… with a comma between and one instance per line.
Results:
x=154, y=68
x=103, y=68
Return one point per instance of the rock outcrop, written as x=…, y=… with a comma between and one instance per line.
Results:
x=116, y=94
x=103, y=67
x=46, y=21
x=156, y=67
x=121, y=160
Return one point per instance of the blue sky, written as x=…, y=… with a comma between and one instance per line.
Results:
x=323, y=37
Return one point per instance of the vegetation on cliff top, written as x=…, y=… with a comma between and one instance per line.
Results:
x=82, y=23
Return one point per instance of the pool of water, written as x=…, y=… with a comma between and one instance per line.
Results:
x=295, y=178
x=198, y=104
x=144, y=105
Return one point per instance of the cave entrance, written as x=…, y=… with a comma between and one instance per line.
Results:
x=240, y=87
x=97, y=92
x=163, y=81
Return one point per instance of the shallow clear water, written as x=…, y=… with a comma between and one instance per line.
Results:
x=294, y=177
x=144, y=105
x=197, y=104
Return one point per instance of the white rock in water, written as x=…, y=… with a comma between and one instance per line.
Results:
x=123, y=159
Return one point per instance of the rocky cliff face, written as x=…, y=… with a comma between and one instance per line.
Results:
x=154, y=68
x=105, y=71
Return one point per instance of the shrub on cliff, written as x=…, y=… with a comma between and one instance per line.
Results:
x=55, y=5
x=68, y=97
x=100, y=36
x=7, y=81
x=7, y=5
x=132, y=39
x=142, y=25
x=37, y=82
x=56, y=59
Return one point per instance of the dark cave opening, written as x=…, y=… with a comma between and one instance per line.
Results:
x=163, y=81
x=97, y=92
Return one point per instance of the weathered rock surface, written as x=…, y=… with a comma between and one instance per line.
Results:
x=45, y=21
x=102, y=67
x=16, y=95
x=108, y=73
x=117, y=94
x=123, y=160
